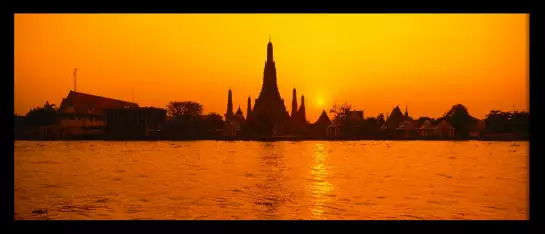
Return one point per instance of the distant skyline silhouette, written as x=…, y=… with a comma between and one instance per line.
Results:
x=373, y=62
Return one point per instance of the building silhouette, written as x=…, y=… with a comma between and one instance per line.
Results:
x=84, y=114
x=133, y=122
x=324, y=126
x=240, y=114
x=395, y=118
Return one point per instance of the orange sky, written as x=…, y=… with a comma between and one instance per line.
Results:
x=373, y=61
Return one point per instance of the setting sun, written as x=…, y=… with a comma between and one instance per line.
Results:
x=320, y=103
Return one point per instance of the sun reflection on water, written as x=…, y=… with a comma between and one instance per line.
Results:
x=320, y=187
x=306, y=180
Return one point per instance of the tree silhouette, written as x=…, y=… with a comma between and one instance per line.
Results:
x=496, y=121
x=42, y=116
x=213, y=121
x=499, y=122
x=520, y=122
x=380, y=119
x=185, y=108
x=340, y=112
x=458, y=116
x=371, y=125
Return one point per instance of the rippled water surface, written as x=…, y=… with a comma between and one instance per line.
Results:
x=272, y=180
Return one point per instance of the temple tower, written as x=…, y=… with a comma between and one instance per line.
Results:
x=269, y=110
x=249, y=110
x=229, y=114
x=294, y=104
x=302, y=111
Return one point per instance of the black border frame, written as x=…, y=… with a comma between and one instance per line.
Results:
x=536, y=124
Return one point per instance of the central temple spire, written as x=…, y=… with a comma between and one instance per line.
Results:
x=269, y=111
x=270, y=87
x=270, y=51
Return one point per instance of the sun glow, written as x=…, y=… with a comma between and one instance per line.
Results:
x=320, y=102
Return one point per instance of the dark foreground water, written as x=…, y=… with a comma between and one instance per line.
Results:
x=272, y=180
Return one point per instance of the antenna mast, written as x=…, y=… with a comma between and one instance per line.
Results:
x=75, y=79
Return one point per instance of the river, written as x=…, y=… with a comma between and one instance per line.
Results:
x=241, y=180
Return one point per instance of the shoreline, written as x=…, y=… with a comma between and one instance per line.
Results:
x=272, y=139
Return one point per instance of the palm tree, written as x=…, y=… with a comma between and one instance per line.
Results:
x=40, y=116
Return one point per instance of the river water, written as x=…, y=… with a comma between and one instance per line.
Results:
x=356, y=180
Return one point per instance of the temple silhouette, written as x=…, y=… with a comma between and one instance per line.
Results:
x=269, y=115
x=86, y=116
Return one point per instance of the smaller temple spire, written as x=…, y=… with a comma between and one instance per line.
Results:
x=302, y=111
x=269, y=37
x=249, y=110
x=294, y=103
x=75, y=78
x=406, y=112
x=239, y=114
x=229, y=113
